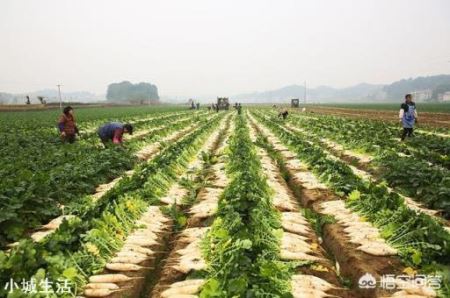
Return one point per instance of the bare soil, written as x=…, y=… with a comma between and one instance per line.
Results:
x=425, y=118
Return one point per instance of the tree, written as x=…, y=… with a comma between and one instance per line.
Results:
x=400, y=88
x=41, y=100
x=126, y=91
x=440, y=89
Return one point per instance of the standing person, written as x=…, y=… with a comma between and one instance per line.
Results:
x=113, y=132
x=408, y=116
x=239, y=108
x=67, y=125
x=217, y=108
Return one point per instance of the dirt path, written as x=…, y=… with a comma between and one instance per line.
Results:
x=440, y=120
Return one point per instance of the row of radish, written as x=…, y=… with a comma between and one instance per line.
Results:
x=86, y=242
x=359, y=231
x=143, y=245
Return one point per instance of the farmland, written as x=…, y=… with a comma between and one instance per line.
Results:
x=206, y=204
x=436, y=107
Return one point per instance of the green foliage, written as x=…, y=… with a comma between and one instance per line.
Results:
x=242, y=247
x=410, y=172
x=412, y=233
x=86, y=242
x=126, y=91
x=39, y=173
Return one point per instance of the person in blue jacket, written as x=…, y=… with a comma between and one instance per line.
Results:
x=113, y=132
x=408, y=116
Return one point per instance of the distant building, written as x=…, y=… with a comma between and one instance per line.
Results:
x=422, y=95
x=444, y=96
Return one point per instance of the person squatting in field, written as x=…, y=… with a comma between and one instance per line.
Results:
x=283, y=113
x=67, y=125
x=408, y=116
x=113, y=132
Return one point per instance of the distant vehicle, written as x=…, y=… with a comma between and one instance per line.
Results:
x=223, y=103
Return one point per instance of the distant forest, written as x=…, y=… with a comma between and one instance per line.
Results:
x=128, y=92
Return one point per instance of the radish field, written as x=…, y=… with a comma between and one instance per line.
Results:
x=206, y=204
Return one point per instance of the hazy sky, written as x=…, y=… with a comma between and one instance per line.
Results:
x=207, y=47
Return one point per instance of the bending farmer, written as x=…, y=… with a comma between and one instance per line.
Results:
x=113, y=132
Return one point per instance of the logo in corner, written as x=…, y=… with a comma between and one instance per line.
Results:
x=367, y=281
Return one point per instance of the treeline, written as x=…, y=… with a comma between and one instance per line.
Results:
x=427, y=88
x=136, y=93
x=437, y=84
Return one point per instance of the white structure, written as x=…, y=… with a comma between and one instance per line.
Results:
x=444, y=96
x=422, y=95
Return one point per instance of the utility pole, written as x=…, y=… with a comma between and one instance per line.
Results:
x=60, y=100
x=305, y=93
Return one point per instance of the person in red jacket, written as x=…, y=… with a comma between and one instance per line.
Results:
x=67, y=125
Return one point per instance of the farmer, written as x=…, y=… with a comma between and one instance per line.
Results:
x=239, y=108
x=407, y=116
x=284, y=113
x=67, y=126
x=113, y=132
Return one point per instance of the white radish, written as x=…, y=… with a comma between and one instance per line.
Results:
x=99, y=292
x=287, y=255
x=140, y=241
x=188, y=289
x=129, y=260
x=190, y=263
x=378, y=249
x=110, y=278
x=294, y=217
x=103, y=285
x=124, y=267
x=188, y=282
x=130, y=254
x=311, y=281
x=308, y=293
x=295, y=228
x=55, y=223
x=423, y=291
x=138, y=249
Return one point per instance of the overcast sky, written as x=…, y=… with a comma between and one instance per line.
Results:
x=207, y=47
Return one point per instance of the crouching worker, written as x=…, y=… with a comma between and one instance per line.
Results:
x=67, y=125
x=284, y=113
x=113, y=132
